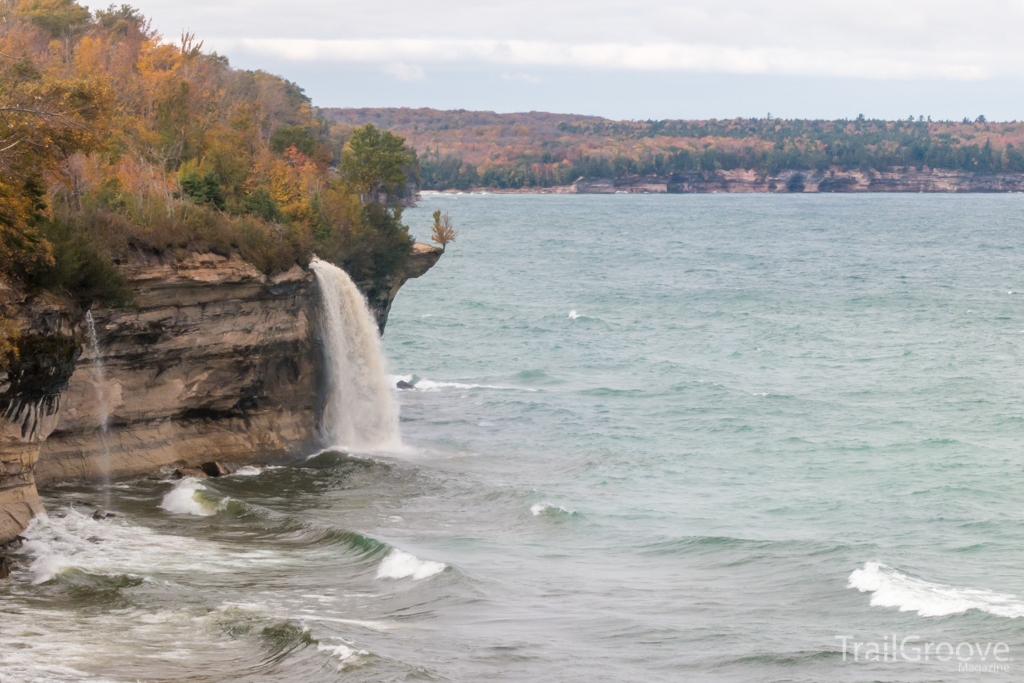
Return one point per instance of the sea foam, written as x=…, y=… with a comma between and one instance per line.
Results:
x=345, y=654
x=76, y=540
x=432, y=385
x=182, y=499
x=891, y=588
x=400, y=565
x=549, y=509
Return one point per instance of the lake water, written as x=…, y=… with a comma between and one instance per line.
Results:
x=653, y=438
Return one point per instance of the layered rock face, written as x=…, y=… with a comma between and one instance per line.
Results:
x=739, y=180
x=213, y=362
x=30, y=400
x=380, y=295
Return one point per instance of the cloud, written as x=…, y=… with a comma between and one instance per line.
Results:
x=401, y=55
x=404, y=72
x=521, y=77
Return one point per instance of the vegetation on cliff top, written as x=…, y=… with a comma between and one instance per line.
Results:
x=115, y=142
x=463, y=149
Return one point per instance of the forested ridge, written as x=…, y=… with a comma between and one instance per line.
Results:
x=117, y=141
x=463, y=149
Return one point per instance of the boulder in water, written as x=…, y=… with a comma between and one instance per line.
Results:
x=216, y=469
x=194, y=472
x=5, y=567
x=103, y=514
x=402, y=384
x=13, y=544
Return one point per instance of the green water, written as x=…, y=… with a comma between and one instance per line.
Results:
x=653, y=439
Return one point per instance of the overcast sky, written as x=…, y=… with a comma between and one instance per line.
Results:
x=655, y=59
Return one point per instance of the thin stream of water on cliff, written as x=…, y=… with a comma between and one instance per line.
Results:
x=359, y=412
x=102, y=407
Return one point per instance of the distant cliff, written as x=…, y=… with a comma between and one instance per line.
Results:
x=214, y=361
x=934, y=180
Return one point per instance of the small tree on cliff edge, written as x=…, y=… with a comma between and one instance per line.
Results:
x=443, y=231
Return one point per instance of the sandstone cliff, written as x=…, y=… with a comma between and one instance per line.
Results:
x=739, y=180
x=213, y=361
x=30, y=398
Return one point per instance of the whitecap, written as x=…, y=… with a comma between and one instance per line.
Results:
x=182, y=499
x=430, y=385
x=248, y=471
x=573, y=315
x=547, y=508
x=76, y=540
x=345, y=652
x=891, y=588
x=400, y=565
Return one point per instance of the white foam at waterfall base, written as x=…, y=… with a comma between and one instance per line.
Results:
x=359, y=413
x=400, y=565
x=891, y=588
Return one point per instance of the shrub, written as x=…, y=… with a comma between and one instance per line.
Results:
x=273, y=248
x=205, y=189
x=259, y=203
x=81, y=265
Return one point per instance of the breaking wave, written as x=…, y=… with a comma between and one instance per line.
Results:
x=552, y=510
x=184, y=499
x=401, y=565
x=891, y=588
x=76, y=541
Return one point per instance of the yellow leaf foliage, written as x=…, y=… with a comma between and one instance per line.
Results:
x=132, y=142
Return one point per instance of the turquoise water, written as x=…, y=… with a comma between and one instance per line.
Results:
x=653, y=439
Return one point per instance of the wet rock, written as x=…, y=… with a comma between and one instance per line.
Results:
x=215, y=469
x=195, y=472
x=5, y=567
x=402, y=384
x=103, y=514
x=13, y=544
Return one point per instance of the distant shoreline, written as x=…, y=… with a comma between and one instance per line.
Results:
x=934, y=181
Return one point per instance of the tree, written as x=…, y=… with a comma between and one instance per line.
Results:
x=443, y=231
x=375, y=164
x=60, y=18
x=45, y=120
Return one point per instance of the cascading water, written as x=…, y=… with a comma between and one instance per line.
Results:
x=360, y=412
x=102, y=409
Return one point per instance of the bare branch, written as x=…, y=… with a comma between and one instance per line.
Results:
x=45, y=115
x=12, y=145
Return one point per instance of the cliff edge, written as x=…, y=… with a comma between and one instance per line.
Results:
x=214, y=361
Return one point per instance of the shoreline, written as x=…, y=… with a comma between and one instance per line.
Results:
x=933, y=181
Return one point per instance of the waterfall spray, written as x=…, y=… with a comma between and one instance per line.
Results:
x=102, y=409
x=360, y=412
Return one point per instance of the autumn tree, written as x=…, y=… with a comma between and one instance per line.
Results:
x=443, y=231
x=45, y=119
x=114, y=141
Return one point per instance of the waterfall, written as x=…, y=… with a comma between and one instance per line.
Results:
x=359, y=412
x=102, y=409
